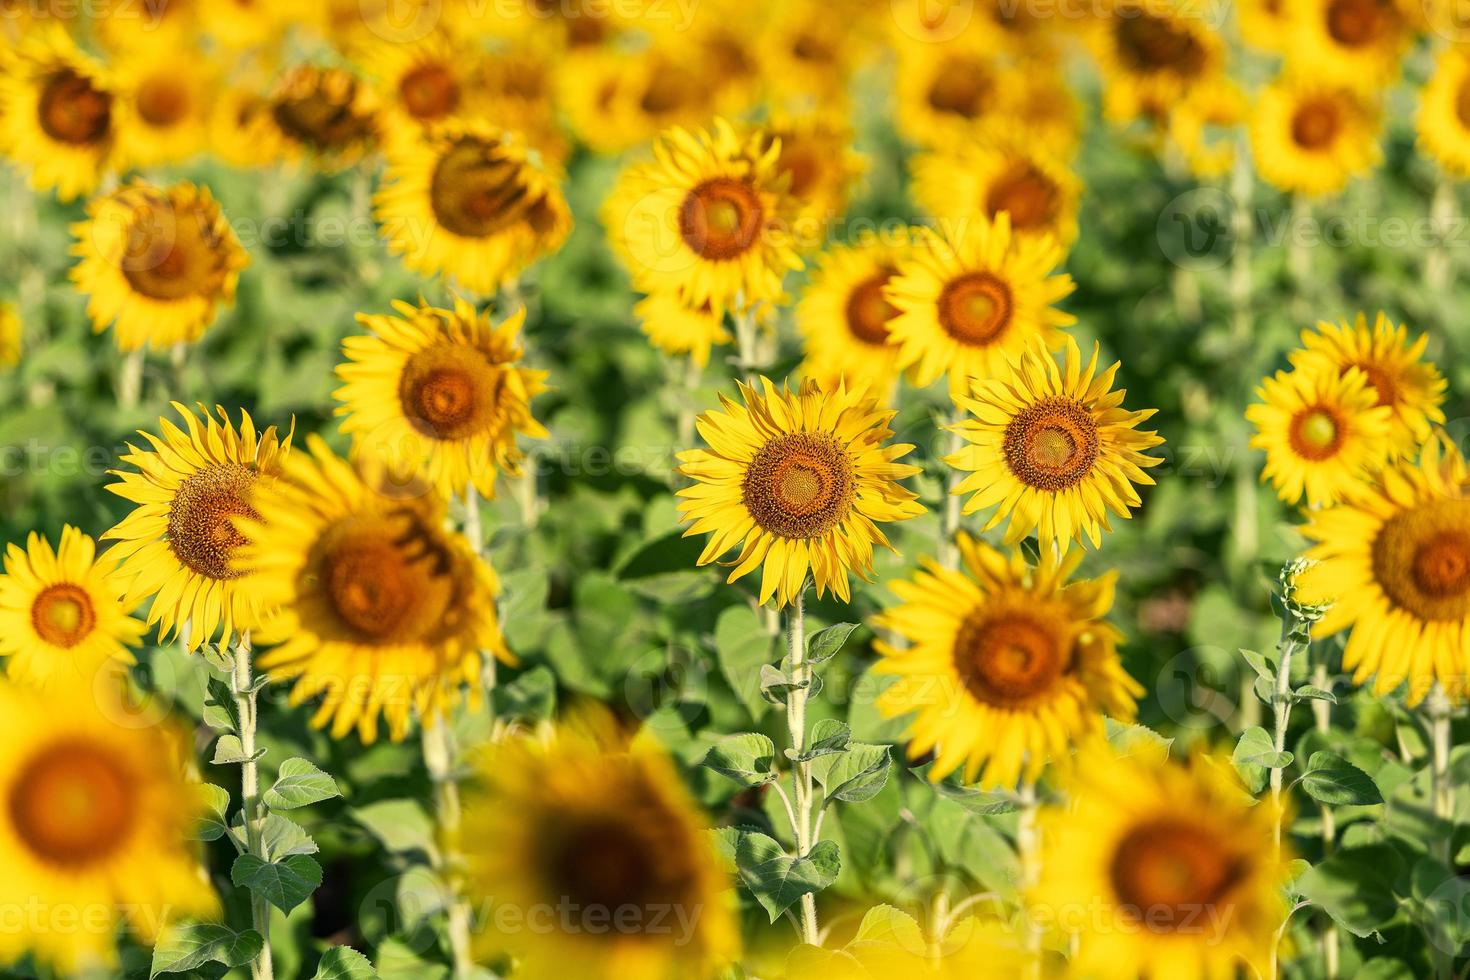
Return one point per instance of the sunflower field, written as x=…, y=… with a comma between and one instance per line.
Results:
x=735, y=489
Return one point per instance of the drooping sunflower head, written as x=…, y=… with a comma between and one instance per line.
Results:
x=1312, y=139
x=12, y=335
x=328, y=114
x=378, y=608
x=1323, y=429
x=970, y=302
x=1009, y=175
x=1156, y=51
x=605, y=833
x=1161, y=869
x=708, y=218
x=1007, y=667
x=179, y=545
x=156, y=263
x=472, y=203
x=95, y=817
x=164, y=100
x=1355, y=43
x=1443, y=121
x=1052, y=449
x=800, y=481
x=440, y=394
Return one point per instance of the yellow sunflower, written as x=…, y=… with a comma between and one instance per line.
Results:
x=425, y=82
x=1006, y=667
x=820, y=168
x=471, y=203
x=164, y=101
x=156, y=264
x=1155, y=49
x=1052, y=448
x=1203, y=126
x=1443, y=121
x=800, y=482
x=12, y=335
x=1013, y=175
x=707, y=219
x=1354, y=43
x=572, y=835
x=615, y=100
x=57, y=113
x=327, y=114
x=61, y=614
x=954, y=92
x=242, y=126
x=179, y=543
x=378, y=608
x=1264, y=24
x=1408, y=385
x=440, y=394
x=844, y=315
x=1161, y=869
x=969, y=302
x=1312, y=139
x=807, y=51
x=1394, y=561
x=677, y=329
x=94, y=825
x=1323, y=430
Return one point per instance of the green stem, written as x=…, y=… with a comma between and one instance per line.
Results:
x=1322, y=713
x=130, y=379
x=1442, y=799
x=1028, y=849
x=245, y=705
x=1437, y=258
x=438, y=748
x=948, y=551
x=801, y=772
x=746, y=341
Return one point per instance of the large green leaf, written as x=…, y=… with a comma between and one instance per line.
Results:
x=854, y=775
x=344, y=963
x=186, y=947
x=285, y=883
x=1356, y=887
x=299, y=784
x=779, y=880
x=1333, y=780
x=749, y=759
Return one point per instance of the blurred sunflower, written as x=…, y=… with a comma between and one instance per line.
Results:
x=677, y=329
x=60, y=612
x=1203, y=126
x=820, y=168
x=615, y=100
x=1155, y=50
x=425, y=82
x=328, y=114
x=239, y=25
x=179, y=543
x=164, y=101
x=603, y=832
x=954, y=92
x=160, y=27
x=1013, y=175
x=1408, y=385
x=1026, y=663
x=800, y=481
x=156, y=263
x=969, y=302
x=844, y=315
x=1052, y=449
x=471, y=203
x=440, y=394
x=1312, y=139
x=12, y=335
x=242, y=126
x=1163, y=869
x=807, y=51
x=57, y=110
x=1323, y=430
x=379, y=609
x=1264, y=24
x=707, y=219
x=95, y=818
x=1353, y=43
x=890, y=943
x=1443, y=120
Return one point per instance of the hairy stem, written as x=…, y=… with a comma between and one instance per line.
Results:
x=243, y=684
x=438, y=747
x=801, y=771
x=1028, y=848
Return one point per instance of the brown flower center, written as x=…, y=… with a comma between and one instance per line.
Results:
x=1315, y=124
x=868, y=311
x=962, y=87
x=1357, y=23
x=1027, y=195
x=1462, y=104
x=476, y=192
x=429, y=91
x=1384, y=382
x=450, y=391
x=73, y=803
x=1421, y=560
x=1006, y=659
x=1168, y=873
x=669, y=89
x=174, y=253
x=1150, y=44
x=721, y=218
x=319, y=111
x=388, y=580
x=201, y=518
x=607, y=862
x=63, y=615
x=1052, y=445
x=1316, y=432
x=799, y=485
x=975, y=308
x=73, y=110
x=163, y=101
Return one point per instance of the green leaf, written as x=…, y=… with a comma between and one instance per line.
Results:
x=778, y=880
x=743, y=647
x=1254, y=755
x=777, y=684
x=217, y=658
x=531, y=696
x=748, y=759
x=187, y=947
x=344, y=963
x=1356, y=887
x=229, y=752
x=1259, y=664
x=222, y=698
x=401, y=826
x=827, y=736
x=1309, y=693
x=300, y=784
x=981, y=802
x=1333, y=780
x=285, y=884
x=214, y=823
x=825, y=644
x=854, y=775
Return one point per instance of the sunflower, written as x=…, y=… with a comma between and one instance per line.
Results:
x=1354, y=43
x=575, y=833
x=969, y=302
x=1264, y=24
x=440, y=394
x=677, y=329
x=1025, y=662
x=615, y=101
x=807, y=51
x=1161, y=869
x=800, y=482
x=164, y=101
x=471, y=203
x=844, y=315
x=1013, y=175
x=1312, y=139
x=156, y=263
x=57, y=110
x=179, y=543
x=1323, y=430
x=94, y=824
x=708, y=219
x=820, y=168
x=1052, y=448
x=1443, y=121
x=327, y=114
x=12, y=335
x=379, y=608
x=242, y=126
x=1203, y=126
x=954, y=92
x=1408, y=385
x=425, y=82
x=1156, y=50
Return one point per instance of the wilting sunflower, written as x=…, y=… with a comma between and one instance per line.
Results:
x=677, y=329
x=1157, y=51
x=707, y=219
x=1161, y=869
x=1026, y=666
x=1016, y=176
x=1052, y=449
x=328, y=114
x=471, y=203
x=164, y=100
x=156, y=263
x=800, y=481
x=379, y=608
x=440, y=394
x=576, y=833
x=1443, y=121
x=951, y=93
x=820, y=168
x=94, y=825
x=969, y=302
x=844, y=315
x=1312, y=139
x=179, y=543
x=1323, y=430
x=12, y=335
x=1408, y=385
x=61, y=614
x=1395, y=563
x=1354, y=43
x=57, y=113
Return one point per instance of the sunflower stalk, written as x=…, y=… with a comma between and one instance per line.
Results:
x=1441, y=223
x=438, y=749
x=246, y=702
x=949, y=525
x=746, y=338
x=1322, y=714
x=130, y=380
x=1028, y=848
x=801, y=771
